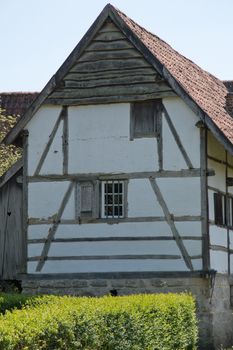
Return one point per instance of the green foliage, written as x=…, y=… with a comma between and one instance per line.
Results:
x=8, y=154
x=11, y=301
x=139, y=322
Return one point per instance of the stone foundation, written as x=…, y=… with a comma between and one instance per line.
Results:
x=213, y=299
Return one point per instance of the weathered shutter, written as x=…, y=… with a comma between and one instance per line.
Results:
x=145, y=119
x=86, y=198
x=218, y=209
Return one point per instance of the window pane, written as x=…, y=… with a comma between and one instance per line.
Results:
x=120, y=211
x=116, y=211
x=116, y=187
x=109, y=188
x=120, y=187
x=109, y=199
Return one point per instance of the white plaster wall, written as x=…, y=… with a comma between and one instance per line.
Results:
x=99, y=141
x=215, y=149
x=218, y=235
x=73, y=266
x=219, y=261
x=182, y=195
x=142, y=200
x=108, y=248
x=53, y=163
x=125, y=229
x=184, y=121
x=231, y=263
x=45, y=198
x=40, y=127
x=219, y=179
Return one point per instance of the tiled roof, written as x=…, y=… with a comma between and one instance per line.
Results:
x=229, y=97
x=16, y=103
x=205, y=89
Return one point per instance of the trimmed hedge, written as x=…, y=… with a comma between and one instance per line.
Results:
x=138, y=322
x=12, y=301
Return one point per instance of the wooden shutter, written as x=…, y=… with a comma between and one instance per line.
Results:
x=88, y=199
x=84, y=199
x=218, y=209
x=145, y=119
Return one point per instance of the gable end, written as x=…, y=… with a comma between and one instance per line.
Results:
x=109, y=70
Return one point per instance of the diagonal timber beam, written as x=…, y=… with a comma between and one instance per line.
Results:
x=177, y=139
x=54, y=228
x=49, y=143
x=170, y=222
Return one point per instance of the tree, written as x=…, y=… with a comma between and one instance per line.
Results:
x=8, y=154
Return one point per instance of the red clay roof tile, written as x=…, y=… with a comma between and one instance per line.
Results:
x=205, y=89
x=16, y=103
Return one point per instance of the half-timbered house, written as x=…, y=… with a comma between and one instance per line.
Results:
x=127, y=175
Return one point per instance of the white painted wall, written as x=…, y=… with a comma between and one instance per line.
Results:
x=44, y=200
x=182, y=195
x=73, y=266
x=219, y=261
x=142, y=200
x=184, y=121
x=125, y=229
x=219, y=179
x=217, y=234
x=99, y=143
x=40, y=127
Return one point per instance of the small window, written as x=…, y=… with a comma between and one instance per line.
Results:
x=220, y=202
x=113, y=199
x=145, y=119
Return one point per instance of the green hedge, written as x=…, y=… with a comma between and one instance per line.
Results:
x=140, y=322
x=10, y=301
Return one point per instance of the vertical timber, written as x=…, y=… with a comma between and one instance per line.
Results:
x=204, y=199
x=25, y=201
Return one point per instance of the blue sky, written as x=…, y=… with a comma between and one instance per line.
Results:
x=38, y=35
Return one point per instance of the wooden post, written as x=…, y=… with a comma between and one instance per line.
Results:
x=204, y=199
x=23, y=268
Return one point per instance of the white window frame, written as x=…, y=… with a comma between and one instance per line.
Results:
x=105, y=204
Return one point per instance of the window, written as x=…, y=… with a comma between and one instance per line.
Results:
x=220, y=209
x=145, y=119
x=223, y=204
x=113, y=199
